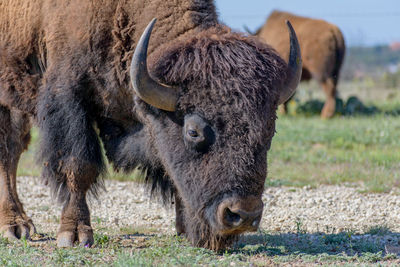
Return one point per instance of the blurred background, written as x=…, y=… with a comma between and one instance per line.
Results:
x=371, y=68
x=363, y=22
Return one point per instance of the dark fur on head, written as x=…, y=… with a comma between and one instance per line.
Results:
x=232, y=82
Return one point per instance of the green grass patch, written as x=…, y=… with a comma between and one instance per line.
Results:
x=260, y=249
x=378, y=230
x=28, y=162
x=174, y=251
x=311, y=151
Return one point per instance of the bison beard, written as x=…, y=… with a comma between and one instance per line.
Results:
x=70, y=74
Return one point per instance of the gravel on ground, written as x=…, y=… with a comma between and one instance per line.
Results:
x=327, y=209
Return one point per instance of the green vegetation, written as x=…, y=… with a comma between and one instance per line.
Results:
x=260, y=249
x=27, y=164
x=311, y=151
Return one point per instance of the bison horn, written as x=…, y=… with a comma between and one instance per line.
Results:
x=150, y=91
x=294, y=67
x=248, y=30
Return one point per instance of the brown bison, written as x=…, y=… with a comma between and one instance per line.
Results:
x=322, y=47
x=200, y=120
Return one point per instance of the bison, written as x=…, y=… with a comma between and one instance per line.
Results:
x=322, y=46
x=199, y=119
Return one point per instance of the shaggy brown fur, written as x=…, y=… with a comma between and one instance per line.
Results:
x=14, y=138
x=65, y=63
x=322, y=48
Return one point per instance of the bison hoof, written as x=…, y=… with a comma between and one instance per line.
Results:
x=65, y=239
x=83, y=234
x=20, y=230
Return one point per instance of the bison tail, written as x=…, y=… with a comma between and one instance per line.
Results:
x=340, y=52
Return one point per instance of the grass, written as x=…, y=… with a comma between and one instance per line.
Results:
x=260, y=249
x=27, y=165
x=311, y=151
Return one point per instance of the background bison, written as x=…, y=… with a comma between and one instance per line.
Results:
x=322, y=46
x=201, y=127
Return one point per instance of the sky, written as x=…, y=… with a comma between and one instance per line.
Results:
x=363, y=22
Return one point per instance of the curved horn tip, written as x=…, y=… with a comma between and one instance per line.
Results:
x=141, y=47
x=145, y=87
x=140, y=54
x=289, y=25
x=150, y=25
x=247, y=29
x=294, y=66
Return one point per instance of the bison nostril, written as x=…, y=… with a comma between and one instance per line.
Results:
x=232, y=218
x=238, y=215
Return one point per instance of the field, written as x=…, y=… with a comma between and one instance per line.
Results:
x=360, y=151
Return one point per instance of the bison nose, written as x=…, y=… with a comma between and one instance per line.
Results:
x=239, y=215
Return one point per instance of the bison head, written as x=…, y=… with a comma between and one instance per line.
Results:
x=211, y=117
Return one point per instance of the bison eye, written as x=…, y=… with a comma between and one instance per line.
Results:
x=192, y=133
x=197, y=133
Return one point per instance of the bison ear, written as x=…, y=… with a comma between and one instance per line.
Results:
x=150, y=91
x=295, y=65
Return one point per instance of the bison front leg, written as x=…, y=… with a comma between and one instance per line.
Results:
x=329, y=86
x=75, y=222
x=179, y=217
x=71, y=155
x=14, y=138
x=75, y=215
